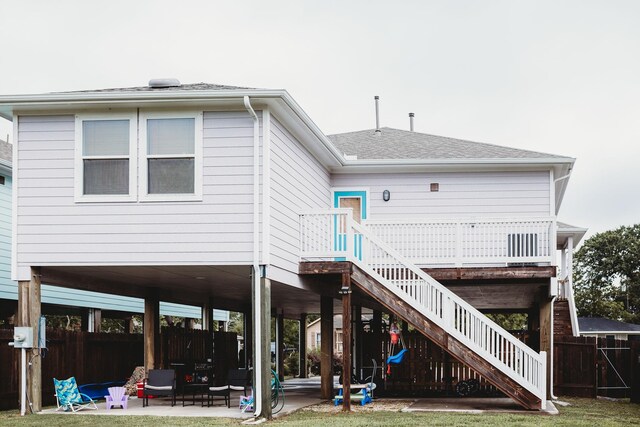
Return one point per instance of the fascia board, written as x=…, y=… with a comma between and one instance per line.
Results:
x=453, y=165
x=582, y=332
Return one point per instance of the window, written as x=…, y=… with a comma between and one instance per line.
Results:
x=318, y=340
x=172, y=156
x=105, y=158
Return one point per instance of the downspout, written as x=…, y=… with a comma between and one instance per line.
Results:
x=256, y=249
x=553, y=397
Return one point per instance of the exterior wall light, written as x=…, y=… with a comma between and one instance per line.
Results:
x=386, y=195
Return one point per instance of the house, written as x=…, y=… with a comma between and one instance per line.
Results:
x=231, y=197
x=314, y=335
x=606, y=328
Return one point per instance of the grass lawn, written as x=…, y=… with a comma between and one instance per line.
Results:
x=582, y=412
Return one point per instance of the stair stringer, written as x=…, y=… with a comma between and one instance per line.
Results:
x=455, y=347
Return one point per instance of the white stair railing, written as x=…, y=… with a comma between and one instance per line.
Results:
x=333, y=235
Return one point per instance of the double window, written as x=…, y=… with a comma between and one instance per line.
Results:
x=154, y=157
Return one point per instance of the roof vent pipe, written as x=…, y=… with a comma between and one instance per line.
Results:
x=163, y=83
x=411, y=115
x=377, y=100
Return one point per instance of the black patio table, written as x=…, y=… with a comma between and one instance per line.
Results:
x=194, y=389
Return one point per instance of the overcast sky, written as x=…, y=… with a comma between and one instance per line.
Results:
x=554, y=76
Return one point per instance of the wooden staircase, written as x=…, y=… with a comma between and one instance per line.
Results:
x=439, y=314
x=455, y=347
x=561, y=318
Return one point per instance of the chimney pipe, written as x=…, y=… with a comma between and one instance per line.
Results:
x=411, y=115
x=377, y=100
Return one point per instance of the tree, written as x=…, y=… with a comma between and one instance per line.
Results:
x=607, y=275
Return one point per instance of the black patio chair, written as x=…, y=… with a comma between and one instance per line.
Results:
x=237, y=379
x=160, y=382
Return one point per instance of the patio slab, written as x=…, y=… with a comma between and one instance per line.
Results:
x=296, y=397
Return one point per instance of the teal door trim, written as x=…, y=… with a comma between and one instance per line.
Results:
x=341, y=238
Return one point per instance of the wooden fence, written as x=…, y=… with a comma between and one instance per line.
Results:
x=590, y=367
x=100, y=357
x=90, y=357
x=426, y=370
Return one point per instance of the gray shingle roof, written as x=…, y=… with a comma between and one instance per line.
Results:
x=596, y=324
x=401, y=144
x=6, y=150
x=185, y=87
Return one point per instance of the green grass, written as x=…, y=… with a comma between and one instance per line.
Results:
x=582, y=412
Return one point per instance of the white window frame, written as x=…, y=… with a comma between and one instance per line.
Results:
x=80, y=197
x=198, y=117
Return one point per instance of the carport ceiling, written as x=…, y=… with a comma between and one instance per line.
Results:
x=229, y=287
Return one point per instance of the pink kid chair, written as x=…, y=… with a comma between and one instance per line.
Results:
x=117, y=397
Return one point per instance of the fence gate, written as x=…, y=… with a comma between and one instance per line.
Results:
x=614, y=368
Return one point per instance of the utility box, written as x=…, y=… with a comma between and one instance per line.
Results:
x=23, y=337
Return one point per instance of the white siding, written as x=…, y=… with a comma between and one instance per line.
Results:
x=481, y=194
x=52, y=229
x=298, y=183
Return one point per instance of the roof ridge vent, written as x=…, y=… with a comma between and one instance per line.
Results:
x=163, y=83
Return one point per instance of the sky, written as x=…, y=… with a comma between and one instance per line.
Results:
x=560, y=77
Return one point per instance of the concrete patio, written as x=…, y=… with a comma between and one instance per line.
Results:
x=298, y=394
x=302, y=393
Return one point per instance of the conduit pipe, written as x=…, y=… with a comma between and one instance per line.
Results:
x=255, y=276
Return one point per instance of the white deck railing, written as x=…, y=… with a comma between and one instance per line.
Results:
x=334, y=235
x=470, y=242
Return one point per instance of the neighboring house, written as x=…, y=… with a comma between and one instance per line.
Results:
x=314, y=335
x=606, y=328
x=232, y=197
x=62, y=300
x=5, y=216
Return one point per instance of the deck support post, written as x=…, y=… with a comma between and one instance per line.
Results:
x=346, y=341
x=358, y=332
x=326, y=347
x=29, y=310
x=151, y=329
x=546, y=319
x=280, y=345
x=261, y=304
x=302, y=340
x=128, y=325
x=376, y=328
x=247, y=328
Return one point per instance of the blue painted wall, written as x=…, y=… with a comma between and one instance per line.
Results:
x=6, y=285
